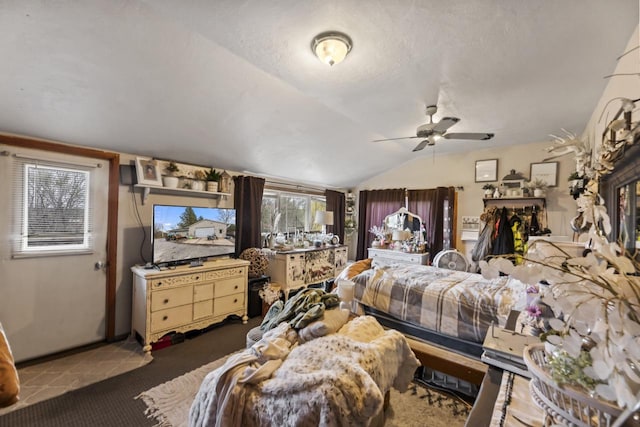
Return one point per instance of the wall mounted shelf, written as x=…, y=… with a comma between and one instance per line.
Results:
x=517, y=201
x=185, y=192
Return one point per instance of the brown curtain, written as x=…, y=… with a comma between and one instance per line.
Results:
x=429, y=205
x=336, y=204
x=373, y=207
x=248, y=202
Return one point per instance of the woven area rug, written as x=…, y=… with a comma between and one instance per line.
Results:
x=169, y=403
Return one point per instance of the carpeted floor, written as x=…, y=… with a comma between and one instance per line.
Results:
x=169, y=403
x=51, y=378
x=112, y=402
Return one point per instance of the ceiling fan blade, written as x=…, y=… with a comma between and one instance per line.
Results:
x=445, y=123
x=476, y=136
x=422, y=144
x=394, y=139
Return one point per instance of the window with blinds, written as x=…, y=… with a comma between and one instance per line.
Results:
x=52, y=209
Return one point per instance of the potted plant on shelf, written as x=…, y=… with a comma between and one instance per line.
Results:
x=199, y=178
x=488, y=190
x=212, y=177
x=538, y=187
x=170, y=178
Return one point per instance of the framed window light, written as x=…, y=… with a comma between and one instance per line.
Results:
x=147, y=172
x=487, y=170
x=546, y=172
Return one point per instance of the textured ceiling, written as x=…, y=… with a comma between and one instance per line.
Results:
x=234, y=84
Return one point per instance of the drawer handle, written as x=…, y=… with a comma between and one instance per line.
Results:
x=235, y=300
x=236, y=287
x=197, y=277
x=159, y=283
x=166, y=301
x=165, y=317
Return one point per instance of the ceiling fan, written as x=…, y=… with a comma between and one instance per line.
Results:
x=431, y=131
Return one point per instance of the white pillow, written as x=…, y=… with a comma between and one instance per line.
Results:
x=330, y=322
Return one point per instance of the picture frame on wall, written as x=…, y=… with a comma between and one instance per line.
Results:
x=147, y=172
x=546, y=172
x=487, y=170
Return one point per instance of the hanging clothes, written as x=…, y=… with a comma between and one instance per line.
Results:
x=534, y=227
x=503, y=243
x=484, y=246
x=518, y=239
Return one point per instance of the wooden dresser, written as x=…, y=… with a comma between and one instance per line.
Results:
x=187, y=298
x=302, y=267
x=388, y=256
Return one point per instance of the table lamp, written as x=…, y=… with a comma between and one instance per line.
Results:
x=324, y=218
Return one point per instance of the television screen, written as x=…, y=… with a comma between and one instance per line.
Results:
x=185, y=233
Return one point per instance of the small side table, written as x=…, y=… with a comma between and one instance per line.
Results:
x=255, y=302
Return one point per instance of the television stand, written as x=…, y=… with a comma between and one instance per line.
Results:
x=186, y=298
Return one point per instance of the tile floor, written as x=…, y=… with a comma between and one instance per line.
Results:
x=52, y=378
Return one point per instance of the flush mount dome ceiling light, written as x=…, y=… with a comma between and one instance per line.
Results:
x=331, y=47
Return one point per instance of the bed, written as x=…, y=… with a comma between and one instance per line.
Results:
x=449, y=309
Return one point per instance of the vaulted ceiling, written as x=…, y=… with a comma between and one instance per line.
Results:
x=234, y=84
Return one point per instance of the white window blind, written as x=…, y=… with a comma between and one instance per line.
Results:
x=52, y=209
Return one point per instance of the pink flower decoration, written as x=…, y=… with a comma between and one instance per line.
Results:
x=534, y=311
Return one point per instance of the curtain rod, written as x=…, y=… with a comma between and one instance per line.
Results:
x=286, y=186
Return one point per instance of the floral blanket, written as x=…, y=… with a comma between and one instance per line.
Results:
x=453, y=303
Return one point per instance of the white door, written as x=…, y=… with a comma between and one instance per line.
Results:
x=52, y=275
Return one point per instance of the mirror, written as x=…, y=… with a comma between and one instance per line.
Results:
x=402, y=219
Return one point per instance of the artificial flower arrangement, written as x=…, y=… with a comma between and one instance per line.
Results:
x=595, y=303
x=382, y=236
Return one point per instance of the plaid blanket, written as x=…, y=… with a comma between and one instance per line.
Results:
x=453, y=303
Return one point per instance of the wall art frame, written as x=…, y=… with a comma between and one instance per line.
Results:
x=545, y=171
x=487, y=170
x=147, y=172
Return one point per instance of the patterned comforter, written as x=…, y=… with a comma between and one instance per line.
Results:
x=453, y=303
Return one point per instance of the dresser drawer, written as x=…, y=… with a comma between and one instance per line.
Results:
x=226, y=273
x=202, y=292
x=229, y=286
x=163, y=320
x=161, y=300
x=172, y=281
x=202, y=309
x=228, y=304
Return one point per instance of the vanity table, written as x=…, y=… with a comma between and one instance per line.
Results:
x=399, y=223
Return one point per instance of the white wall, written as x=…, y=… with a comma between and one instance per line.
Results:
x=620, y=85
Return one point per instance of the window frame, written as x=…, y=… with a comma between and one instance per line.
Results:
x=22, y=247
x=310, y=209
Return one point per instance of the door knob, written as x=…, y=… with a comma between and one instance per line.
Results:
x=99, y=265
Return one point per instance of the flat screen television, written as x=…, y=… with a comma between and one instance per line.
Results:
x=183, y=234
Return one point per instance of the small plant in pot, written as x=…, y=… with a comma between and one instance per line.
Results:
x=199, y=178
x=172, y=169
x=170, y=179
x=488, y=190
x=538, y=187
x=212, y=177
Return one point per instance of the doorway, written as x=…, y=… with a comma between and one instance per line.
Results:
x=57, y=260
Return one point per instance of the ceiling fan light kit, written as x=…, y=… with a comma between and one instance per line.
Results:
x=331, y=47
x=430, y=132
